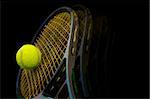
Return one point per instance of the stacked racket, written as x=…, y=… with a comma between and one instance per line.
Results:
x=63, y=40
x=80, y=70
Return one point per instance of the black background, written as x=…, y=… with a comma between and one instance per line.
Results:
x=129, y=72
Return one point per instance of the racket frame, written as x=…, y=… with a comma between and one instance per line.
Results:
x=69, y=53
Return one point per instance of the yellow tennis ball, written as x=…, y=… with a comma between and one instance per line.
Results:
x=28, y=56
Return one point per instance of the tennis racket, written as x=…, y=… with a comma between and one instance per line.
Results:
x=80, y=79
x=57, y=41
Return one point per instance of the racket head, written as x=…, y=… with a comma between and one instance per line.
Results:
x=67, y=53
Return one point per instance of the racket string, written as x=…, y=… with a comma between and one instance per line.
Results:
x=52, y=57
x=35, y=83
x=55, y=39
x=60, y=43
x=59, y=25
x=55, y=34
x=28, y=82
x=52, y=45
x=58, y=46
x=46, y=61
x=56, y=50
x=31, y=82
x=63, y=18
x=24, y=84
x=47, y=57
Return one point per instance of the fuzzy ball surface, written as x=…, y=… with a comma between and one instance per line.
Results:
x=28, y=56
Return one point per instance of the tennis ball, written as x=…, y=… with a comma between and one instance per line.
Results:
x=28, y=56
